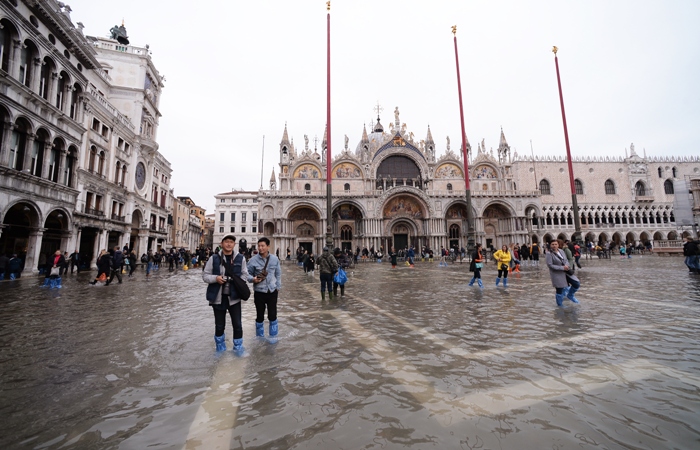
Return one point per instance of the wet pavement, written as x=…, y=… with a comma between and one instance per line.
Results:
x=409, y=358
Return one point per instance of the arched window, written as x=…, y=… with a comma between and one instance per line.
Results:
x=347, y=187
x=449, y=186
x=346, y=233
x=91, y=160
x=661, y=172
x=675, y=172
x=26, y=63
x=609, y=187
x=47, y=70
x=640, y=189
x=70, y=167
x=101, y=163
x=117, y=171
x=668, y=187
x=307, y=187
x=578, y=186
x=454, y=231
x=544, y=188
x=75, y=98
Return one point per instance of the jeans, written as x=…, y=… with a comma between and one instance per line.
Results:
x=236, y=320
x=326, y=282
x=262, y=300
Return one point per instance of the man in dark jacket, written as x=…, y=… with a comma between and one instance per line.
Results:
x=74, y=261
x=117, y=264
x=691, y=251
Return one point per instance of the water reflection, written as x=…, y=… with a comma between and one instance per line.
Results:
x=408, y=358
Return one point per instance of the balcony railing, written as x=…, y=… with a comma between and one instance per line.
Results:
x=118, y=218
x=94, y=212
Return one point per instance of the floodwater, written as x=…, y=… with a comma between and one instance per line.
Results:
x=409, y=358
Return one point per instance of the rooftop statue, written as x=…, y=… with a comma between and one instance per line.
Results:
x=118, y=33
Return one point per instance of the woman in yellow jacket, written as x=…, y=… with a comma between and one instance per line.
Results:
x=503, y=257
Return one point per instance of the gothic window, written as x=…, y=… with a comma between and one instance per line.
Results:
x=26, y=63
x=668, y=187
x=91, y=160
x=609, y=187
x=75, y=97
x=346, y=187
x=101, y=164
x=454, y=231
x=544, y=187
x=661, y=172
x=449, y=186
x=47, y=70
x=346, y=233
x=578, y=186
x=117, y=171
x=640, y=189
x=675, y=172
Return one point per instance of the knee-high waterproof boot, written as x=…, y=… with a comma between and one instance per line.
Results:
x=571, y=293
x=566, y=291
x=471, y=283
x=47, y=282
x=323, y=295
x=220, y=342
x=560, y=299
x=273, y=328
x=330, y=295
x=238, y=345
x=505, y=282
x=342, y=290
x=498, y=281
x=260, y=329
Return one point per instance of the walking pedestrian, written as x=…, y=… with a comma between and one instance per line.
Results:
x=310, y=263
x=691, y=251
x=74, y=261
x=535, y=254
x=132, y=262
x=476, y=265
x=561, y=274
x=502, y=257
x=14, y=266
x=341, y=258
x=393, y=255
x=104, y=266
x=117, y=266
x=221, y=294
x=327, y=265
x=265, y=272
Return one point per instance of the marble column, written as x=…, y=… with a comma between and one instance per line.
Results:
x=28, y=150
x=5, y=144
x=33, y=249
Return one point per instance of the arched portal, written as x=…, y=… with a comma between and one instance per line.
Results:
x=497, y=225
x=56, y=226
x=456, y=221
x=347, y=223
x=306, y=223
x=407, y=210
x=19, y=222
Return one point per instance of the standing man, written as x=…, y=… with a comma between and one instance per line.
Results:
x=328, y=266
x=221, y=294
x=265, y=272
x=117, y=265
x=74, y=261
x=691, y=250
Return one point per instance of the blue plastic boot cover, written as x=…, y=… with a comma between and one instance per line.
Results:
x=238, y=345
x=566, y=291
x=259, y=329
x=273, y=328
x=560, y=299
x=498, y=280
x=47, y=282
x=471, y=283
x=505, y=282
x=220, y=342
x=59, y=282
x=478, y=280
x=570, y=295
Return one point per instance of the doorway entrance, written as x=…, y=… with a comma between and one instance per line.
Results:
x=308, y=246
x=400, y=241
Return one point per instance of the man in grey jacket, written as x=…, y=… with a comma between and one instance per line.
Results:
x=265, y=272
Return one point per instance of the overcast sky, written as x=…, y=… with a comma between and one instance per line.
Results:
x=238, y=70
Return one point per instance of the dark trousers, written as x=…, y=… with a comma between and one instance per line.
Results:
x=236, y=320
x=132, y=267
x=262, y=300
x=502, y=272
x=326, y=281
x=74, y=264
x=335, y=288
x=117, y=271
x=477, y=272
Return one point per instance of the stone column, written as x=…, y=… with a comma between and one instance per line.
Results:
x=96, y=249
x=36, y=75
x=61, y=165
x=33, y=250
x=75, y=243
x=28, y=149
x=5, y=144
x=45, y=162
x=52, y=87
x=13, y=68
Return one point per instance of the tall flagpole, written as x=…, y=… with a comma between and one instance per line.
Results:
x=574, y=202
x=329, y=189
x=262, y=164
x=470, y=215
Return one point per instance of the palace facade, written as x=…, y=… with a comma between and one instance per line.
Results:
x=393, y=190
x=79, y=161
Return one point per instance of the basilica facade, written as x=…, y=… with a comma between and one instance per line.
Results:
x=392, y=190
